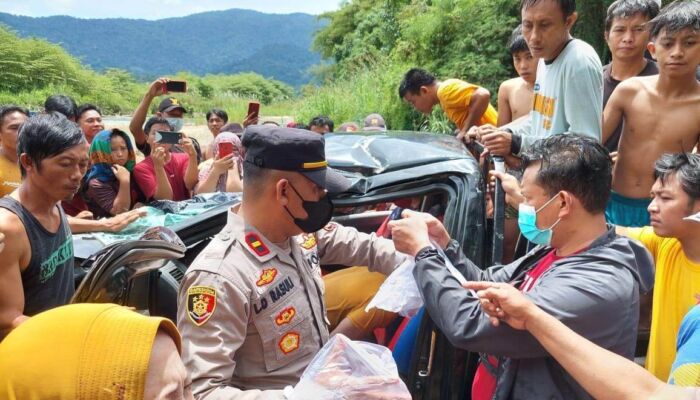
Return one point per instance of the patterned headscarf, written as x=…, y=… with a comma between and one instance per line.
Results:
x=101, y=156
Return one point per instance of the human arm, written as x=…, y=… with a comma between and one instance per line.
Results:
x=604, y=374
x=139, y=117
x=614, y=112
x=209, y=349
x=212, y=172
x=163, y=190
x=122, y=202
x=234, y=183
x=113, y=224
x=583, y=105
x=510, y=186
x=191, y=173
x=477, y=105
x=16, y=252
x=505, y=115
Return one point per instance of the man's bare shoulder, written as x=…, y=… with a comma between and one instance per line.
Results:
x=638, y=83
x=511, y=84
x=10, y=224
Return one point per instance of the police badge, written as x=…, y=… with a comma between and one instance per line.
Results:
x=201, y=302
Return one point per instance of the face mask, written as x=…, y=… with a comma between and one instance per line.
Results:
x=319, y=213
x=176, y=124
x=527, y=222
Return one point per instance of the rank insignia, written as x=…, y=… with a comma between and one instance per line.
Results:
x=308, y=241
x=289, y=342
x=201, y=302
x=266, y=277
x=254, y=243
x=330, y=227
x=285, y=316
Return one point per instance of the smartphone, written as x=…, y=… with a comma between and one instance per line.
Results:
x=253, y=108
x=175, y=86
x=168, y=137
x=224, y=149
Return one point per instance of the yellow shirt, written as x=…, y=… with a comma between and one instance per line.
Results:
x=455, y=96
x=676, y=285
x=10, y=177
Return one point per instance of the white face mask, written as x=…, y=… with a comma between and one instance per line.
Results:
x=176, y=124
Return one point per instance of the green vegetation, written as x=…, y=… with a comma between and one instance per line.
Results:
x=33, y=69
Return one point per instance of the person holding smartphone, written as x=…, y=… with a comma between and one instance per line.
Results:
x=222, y=173
x=165, y=175
x=108, y=181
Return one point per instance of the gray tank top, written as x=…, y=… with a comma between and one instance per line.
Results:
x=48, y=280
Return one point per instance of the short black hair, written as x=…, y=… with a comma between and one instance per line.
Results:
x=255, y=177
x=675, y=17
x=62, y=104
x=686, y=168
x=9, y=109
x=153, y=121
x=413, y=80
x=567, y=7
x=517, y=42
x=85, y=108
x=628, y=8
x=574, y=163
x=219, y=113
x=47, y=135
x=322, y=120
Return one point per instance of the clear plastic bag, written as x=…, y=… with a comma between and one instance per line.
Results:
x=351, y=370
x=399, y=292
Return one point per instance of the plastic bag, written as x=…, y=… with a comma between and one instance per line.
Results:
x=399, y=292
x=351, y=370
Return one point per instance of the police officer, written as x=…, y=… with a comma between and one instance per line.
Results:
x=250, y=308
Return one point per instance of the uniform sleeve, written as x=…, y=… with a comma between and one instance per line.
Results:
x=338, y=244
x=646, y=236
x=209, y=345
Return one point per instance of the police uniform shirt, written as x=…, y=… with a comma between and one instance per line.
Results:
x=252, y=316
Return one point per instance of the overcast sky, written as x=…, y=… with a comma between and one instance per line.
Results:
x=157, y=9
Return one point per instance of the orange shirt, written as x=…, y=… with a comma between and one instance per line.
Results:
x=455, y=96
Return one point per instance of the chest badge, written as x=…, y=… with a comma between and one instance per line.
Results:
x=266, y=277
x=201, y=303
x=289, y=342
x=308, y=241
x=285, y=316
x=258, y=246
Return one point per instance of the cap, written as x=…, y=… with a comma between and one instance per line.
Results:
x=169, y=104
x=290, y=149
x=374, y=122
x=81, y=351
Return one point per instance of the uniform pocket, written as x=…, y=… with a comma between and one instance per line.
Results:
x=286, y=331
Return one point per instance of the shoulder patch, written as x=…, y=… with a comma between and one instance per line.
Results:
x=201, y=303
x=266, y=276
x=330, y=227
x=308, y=241
x=256, y=244
x=289, y=342
x=285, y=316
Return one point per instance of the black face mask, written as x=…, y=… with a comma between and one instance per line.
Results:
x=319, y=213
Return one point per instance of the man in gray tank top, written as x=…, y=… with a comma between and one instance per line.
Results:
x=36, y=273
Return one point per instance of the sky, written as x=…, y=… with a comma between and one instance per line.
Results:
x=157, y=9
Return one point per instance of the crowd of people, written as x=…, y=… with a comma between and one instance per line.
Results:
x=602, y=182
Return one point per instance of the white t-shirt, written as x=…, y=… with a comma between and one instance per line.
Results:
x=568, y=96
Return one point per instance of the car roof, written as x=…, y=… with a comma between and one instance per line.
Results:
x=373, y=153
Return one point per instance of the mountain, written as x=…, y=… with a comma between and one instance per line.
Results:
x=273, y=45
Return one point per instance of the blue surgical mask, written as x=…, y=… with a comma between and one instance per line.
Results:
x=527, y=222
x=176, y=124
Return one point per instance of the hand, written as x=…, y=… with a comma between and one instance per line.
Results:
x=498, y=142
x=410, y=235
x=188, y=146
x=511, y=187
x=157, y=87
x=221, y=165
x=84, y=215
x=159, y=156
x=122, y=174
x=121, y=221
x=250, y=119
x=436, y=230
x=613, y=155
x=503, y=302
